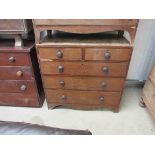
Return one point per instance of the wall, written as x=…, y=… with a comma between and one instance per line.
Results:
x=144, y=50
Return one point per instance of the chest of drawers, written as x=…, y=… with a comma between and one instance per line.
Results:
x=20, y=80
x=83, y=70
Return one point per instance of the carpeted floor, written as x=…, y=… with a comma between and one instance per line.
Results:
x=131, y=118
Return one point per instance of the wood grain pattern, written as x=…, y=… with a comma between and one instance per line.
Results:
x=21, y=59
x=115, y=54
x=84, y=83
x=18, y=99
x=85, y=68
x=9, y=73
x=14, y=86
x=68, y=53
x=83, y=97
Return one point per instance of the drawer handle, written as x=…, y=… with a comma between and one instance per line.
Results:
x=19, y=73
x=62, y=83
x=101, y=98
x=107, y=55
x=105, y=70
x=12, y=59
x=63, y=97
x=60, y=69
x=59, y=54
x=23, y=87
x=103, y=84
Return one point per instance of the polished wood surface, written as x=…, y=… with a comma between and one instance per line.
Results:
x=83, y=97
x=84, y=68
x=67, y=53
x=107, y=54
x=83, y=83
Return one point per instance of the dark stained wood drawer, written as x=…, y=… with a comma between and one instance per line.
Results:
x=83, y=97
x=108, y=54
x=84, y=83
x=60, y=53
x=14, y=86
x=14, y=59
x=86, y=68
x=16, y=73
x=18, y=99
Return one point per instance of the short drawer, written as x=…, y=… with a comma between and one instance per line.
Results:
x=18, y=99
x=85, y=68
x=108, y=54
x=84, y=83
x=60, y=53
x=16, y=73
x=83, y=97
x=14, y=86
x=14, y=59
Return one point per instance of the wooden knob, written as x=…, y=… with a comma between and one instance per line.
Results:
x=62, y=83
x=59, y=54
x=103, y=84
x=107, y=55
x=12, y=59
x=101, y=98
x=63, y=97
x=105, y=70
x=19, y=73
x=60, y=69
x=23, y=87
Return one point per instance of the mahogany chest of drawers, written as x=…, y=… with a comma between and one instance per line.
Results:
x=20, y=80
x=83, y=69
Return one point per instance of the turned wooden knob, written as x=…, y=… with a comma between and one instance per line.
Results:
x=107, y=55
x=19, y=73
x=23, y=87
x=12, y=59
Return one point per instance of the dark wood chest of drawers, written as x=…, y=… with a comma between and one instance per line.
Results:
x=82, y=70
x=20, y=80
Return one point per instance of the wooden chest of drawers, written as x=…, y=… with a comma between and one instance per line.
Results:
x=83, y=71
x=148, y=93
x=20, y=80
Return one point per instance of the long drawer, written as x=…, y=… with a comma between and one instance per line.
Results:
x=18, y=99
x=85, y=68
x=60, y=53
x=14, y=86
x=14, y=59
x=16, y=73
x=83, y=83
x=83, y=97
x=113, y=54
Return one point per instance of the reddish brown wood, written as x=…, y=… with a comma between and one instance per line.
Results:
x=67, y=53
x=85, y=68
x=84, y=83
x=114, y=54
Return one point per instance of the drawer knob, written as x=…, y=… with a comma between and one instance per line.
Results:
x=101, y=98
x=19, y=73
x=62, y=83
x=59, y=54
x=12, y=59
x=63, y=97
x=105, y=70
x=23, y=88
x=107, y=55
x=60, y=69
x=103, y=84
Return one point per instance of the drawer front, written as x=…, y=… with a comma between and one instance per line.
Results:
x=83, y=97
x=18, y=99
x=16, y=73
x=84, y=83
x=14, y=86
x=14, y=59
x=149, y=92
x=107, y=54
x=86, y=68
x=60, y=53
x=11, y=25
